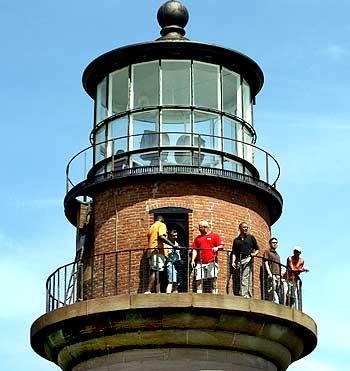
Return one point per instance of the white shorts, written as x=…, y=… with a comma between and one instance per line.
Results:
x=204, y=271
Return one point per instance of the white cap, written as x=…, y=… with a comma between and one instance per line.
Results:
x=297, y=248
x=203, y=223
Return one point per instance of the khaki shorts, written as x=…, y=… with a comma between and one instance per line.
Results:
x=205, y=271
x=157, y=262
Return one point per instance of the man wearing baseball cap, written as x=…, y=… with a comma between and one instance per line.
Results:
x=295, y=266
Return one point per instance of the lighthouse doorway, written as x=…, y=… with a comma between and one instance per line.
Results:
x=177, y=218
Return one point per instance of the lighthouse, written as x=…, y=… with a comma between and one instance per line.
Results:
x=173, y=136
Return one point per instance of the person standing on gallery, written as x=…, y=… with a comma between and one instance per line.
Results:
x=204, y=257
x=272, y=264
x=244, y=249
x=157, y=253
x=295, y=266
x=172, y=260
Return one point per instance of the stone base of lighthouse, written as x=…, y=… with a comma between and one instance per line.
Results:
x=175, y=359
x=174, y=332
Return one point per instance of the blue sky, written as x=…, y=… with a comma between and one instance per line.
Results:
x=301, y=117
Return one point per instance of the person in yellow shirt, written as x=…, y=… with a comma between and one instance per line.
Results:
x=157, y=252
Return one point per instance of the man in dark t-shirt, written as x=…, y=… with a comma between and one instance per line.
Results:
x=272, y=265
x=244, y=248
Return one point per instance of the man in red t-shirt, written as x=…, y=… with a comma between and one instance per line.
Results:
x=204, y=257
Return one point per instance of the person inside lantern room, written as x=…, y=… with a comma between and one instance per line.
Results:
x=204, y=257
x=244, y=249
x=295, y=266
x=272, y=265
x=157, y=253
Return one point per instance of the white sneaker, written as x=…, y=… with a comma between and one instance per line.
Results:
x=199, y=291
x=147, y=292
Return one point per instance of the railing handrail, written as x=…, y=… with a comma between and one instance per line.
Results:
x=54, y=300
x=145, y=249
x=165, y=147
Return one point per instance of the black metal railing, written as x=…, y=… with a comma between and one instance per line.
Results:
x=221, y=155
x=128, y=272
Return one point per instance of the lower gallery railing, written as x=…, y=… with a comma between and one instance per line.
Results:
x=130, y=271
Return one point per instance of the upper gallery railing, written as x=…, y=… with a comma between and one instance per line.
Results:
x=197, y=151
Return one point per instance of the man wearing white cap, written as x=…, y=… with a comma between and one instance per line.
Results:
x=295, y=266
x=204, y=257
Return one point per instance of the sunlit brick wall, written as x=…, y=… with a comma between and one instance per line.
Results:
x=123, y=214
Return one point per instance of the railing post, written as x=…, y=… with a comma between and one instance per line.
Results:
x=48, y=287
x=54, y=290
x=267, y=167
x=129, y=272
x=112, y=165
x=199, y=151
x=300, y=296
x=67, y=182
x=92, y=276
x=116, y=273
x=103, y=274
x=252, y=277
x=65, y=286
x=157, y=274
x=81, y=279
x=74, y=274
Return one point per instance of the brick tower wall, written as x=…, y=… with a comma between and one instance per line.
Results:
x=123, y=214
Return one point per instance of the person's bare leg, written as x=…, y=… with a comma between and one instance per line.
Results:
x=152, y=279
x=169, y=288
x=214, y=290
x=199, y=286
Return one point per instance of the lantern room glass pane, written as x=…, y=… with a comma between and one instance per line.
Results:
x=100, y=149
x=233, y=165
x=101, y=101
x=119, y=86
x=176, y=82
x=176, y=123
x=248, y=149
x=146, y=84
x=181, y=158
x=119, y=133
x=247, y=103
x=230, y=87
x=205, y=85
x=145, y=129
x=145, y=159
x=207, y=125
x=211, y=160
x=230, y=132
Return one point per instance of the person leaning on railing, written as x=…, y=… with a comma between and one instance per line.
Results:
x=204, y=257
x=295, y=266
x=244, y=249
x=157, y=253
x=272, y=263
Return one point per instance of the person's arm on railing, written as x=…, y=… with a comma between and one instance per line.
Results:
x=193, y=257
x=163, y=238
x=302, y=269
x=216, y=248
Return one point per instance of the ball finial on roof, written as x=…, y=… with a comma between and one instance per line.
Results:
x=172, y=17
